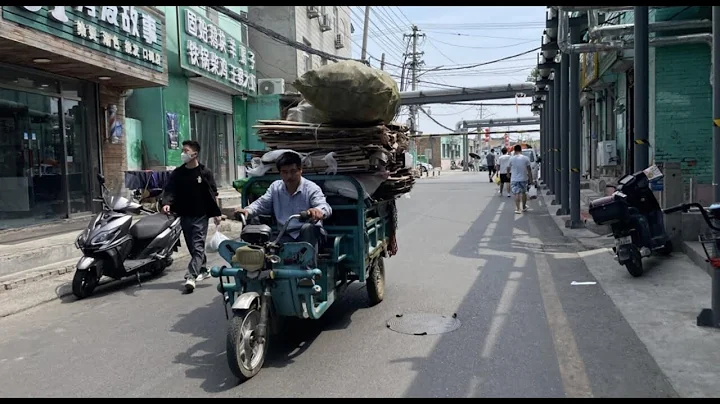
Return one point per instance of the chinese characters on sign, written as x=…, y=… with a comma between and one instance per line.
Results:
x=140, y=26
x=211, y=50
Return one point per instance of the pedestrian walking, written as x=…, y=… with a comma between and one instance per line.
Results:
x=191, y=193
x=490, y=161
x=520, y=173
x=502, y=167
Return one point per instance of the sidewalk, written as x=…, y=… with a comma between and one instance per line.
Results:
x=661, y=307
x=22, y=290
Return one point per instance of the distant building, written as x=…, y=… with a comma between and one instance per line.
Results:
x=325, y=28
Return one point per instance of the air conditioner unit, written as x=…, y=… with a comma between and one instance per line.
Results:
x=313, y=12
x=271, y=86
x=325, y=23
x=339, y=41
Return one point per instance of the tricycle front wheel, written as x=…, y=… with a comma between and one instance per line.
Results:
x=245, y=351
x=376, y=281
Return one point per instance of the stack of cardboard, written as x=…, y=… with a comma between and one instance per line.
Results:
x=355, y=150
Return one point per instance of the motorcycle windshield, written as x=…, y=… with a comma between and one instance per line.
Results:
x=114, y=197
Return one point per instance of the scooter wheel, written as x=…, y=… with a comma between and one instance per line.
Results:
x=245, y=363
x=84, y=283
x=635, y=266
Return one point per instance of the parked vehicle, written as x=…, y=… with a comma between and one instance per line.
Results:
x=632, y=211
x=114, y=247
x=267, y=282
x=534, y=164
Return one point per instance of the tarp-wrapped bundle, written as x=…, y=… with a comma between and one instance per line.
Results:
x=351, y=93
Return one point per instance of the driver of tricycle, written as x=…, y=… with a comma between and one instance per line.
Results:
x=290, y=196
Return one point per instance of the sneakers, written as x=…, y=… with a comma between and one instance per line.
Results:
x=525, y=209
x=189, y=284
x=204, y=274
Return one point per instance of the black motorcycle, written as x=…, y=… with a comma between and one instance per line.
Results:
x=115, y=247
x=636, y=220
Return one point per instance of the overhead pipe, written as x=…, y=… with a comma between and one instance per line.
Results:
x=565, y=47
x=596, y=32
x=589, y=8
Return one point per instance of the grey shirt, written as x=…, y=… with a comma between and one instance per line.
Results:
x=278, y=201
x=490, y=159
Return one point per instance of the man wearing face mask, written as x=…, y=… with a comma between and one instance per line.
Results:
x=191, y=193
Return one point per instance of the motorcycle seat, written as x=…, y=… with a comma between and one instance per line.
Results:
x=150, y=226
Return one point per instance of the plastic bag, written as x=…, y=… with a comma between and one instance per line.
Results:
x=213, y=245
x=532, y=193
x=332, y=166
x=350, y=92
x=496, y=179
x=307, y=113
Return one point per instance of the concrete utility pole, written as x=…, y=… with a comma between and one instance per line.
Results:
x=641, y=83
x=415, y=63
x=363, y=54
x=382, y=61
x=716, y=102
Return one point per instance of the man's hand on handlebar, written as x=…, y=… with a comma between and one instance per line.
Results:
x=315, y=214
x=166, y=209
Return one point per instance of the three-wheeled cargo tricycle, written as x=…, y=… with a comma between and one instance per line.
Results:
x=266, y=281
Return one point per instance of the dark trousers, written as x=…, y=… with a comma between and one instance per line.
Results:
x=195, y=230
x=309, y=233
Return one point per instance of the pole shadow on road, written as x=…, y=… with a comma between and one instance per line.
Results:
x=504, y=347
x=207, y=359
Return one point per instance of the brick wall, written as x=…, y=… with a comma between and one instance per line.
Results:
x=683, y=111
x=113, y=155
x=430, y=143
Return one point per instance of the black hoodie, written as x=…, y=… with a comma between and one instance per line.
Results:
x=192, y=192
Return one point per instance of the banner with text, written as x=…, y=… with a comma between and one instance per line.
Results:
x=209, y=51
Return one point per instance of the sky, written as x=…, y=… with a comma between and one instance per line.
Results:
x=456, y=36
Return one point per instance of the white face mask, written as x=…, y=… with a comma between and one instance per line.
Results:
x=185, y=158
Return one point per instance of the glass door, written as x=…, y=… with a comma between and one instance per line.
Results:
x=32, y=159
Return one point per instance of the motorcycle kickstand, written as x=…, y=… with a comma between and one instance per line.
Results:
x=137, y=276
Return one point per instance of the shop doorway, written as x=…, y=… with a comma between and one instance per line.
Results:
x=212, y=130
x=45, y=164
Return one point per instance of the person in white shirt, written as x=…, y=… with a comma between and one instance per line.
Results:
x=502, y=166
x=520, y=174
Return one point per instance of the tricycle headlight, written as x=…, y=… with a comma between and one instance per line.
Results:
x=275, y=259
x=249, y=258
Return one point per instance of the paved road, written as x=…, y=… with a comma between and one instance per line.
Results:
x=526, y=331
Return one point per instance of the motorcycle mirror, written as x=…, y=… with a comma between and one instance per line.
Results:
x=101, y=179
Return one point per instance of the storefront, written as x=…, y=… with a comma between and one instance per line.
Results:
x=65, y=73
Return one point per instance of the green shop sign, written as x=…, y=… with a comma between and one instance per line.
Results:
x=125, y=32
x=209, y=51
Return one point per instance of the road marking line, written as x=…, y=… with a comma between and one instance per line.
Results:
x=572, y=369
x=501, y=312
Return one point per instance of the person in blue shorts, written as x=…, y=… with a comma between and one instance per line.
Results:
x=520, y=175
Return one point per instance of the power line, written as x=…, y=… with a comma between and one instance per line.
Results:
x=278, y=37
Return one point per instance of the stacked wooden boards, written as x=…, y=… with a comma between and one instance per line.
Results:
x=356, y=150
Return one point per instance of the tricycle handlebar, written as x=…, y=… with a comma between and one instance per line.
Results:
x=685, y=207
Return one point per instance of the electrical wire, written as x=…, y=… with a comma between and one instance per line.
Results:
x=278, y=37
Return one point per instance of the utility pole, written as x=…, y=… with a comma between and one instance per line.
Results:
x=363, y=54
x=415, y=63
x=382, y=61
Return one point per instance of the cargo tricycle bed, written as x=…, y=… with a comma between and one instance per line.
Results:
x=266, y=281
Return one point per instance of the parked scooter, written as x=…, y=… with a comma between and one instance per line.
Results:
x=636, y=220
x=114, y=247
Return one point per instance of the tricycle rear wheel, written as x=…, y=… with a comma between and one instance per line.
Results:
x=376, y=281
x=245, y=354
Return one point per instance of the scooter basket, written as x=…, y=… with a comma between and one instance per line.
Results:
x=608, y=210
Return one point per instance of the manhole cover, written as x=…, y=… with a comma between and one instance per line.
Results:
x=423, y=323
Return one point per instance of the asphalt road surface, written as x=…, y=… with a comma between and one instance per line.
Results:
x=525, y=330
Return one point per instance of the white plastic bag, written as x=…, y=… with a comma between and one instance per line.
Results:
x=213, y=245
x=532, y=193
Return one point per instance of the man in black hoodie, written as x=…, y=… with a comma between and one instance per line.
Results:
x=191, y=193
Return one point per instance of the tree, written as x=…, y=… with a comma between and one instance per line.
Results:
x=533, y=76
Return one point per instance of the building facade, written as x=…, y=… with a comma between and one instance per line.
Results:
x=65, y=75
x=211, y=95
x=680, y=107
x=325, y=28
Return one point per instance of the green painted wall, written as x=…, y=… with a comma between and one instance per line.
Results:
x=241, y=128
x=145, y=106
x=260, y=107
x=683, y=129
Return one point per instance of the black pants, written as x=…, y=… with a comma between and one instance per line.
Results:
x=309, y=233
x=195, y=230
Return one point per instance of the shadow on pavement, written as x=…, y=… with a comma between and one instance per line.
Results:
x=207, y=359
